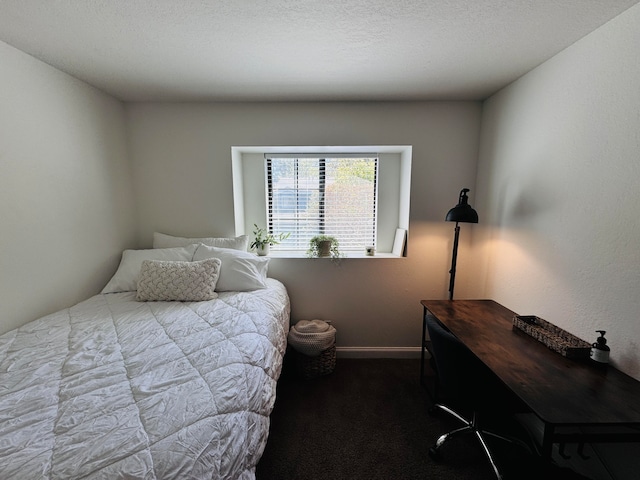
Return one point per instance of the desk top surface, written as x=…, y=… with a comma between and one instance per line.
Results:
x=559, y=390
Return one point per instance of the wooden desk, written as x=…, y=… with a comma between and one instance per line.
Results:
x=561, y=392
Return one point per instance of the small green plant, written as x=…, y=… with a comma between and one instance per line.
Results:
x=324, y=246
x=261, y=237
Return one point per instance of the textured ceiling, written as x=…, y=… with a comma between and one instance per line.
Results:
x=195, y=50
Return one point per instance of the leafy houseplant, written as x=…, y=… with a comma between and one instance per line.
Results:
x=324, y=246
x=263, y=239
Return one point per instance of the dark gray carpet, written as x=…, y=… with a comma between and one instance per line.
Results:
x=369, y=419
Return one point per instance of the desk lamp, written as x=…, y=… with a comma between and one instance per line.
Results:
x=460, y=213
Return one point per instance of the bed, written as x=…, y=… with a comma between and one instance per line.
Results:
x=116, y=387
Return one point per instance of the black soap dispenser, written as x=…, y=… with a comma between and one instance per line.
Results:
x=600, y=350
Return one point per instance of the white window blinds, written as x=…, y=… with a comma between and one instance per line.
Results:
x=312, y=195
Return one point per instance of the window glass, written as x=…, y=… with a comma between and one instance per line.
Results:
x=328, y=195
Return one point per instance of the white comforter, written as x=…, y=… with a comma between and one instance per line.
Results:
x=114, y=388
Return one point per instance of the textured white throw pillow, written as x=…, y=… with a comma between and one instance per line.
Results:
x=162, y=240
x=126, y=277
x=240, y=272
x=165, y=281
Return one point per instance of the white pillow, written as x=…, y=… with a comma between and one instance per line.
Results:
x=241, y=271
x=126, y=277
x=162, y=240
x=166, y=281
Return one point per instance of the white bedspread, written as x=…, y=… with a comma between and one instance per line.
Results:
x=114, y=388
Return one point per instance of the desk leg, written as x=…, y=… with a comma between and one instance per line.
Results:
x=422, y=348
x=547, y=441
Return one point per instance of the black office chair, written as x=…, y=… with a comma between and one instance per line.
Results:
x=465, y=383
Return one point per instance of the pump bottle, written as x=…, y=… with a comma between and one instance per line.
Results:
x=600, y=350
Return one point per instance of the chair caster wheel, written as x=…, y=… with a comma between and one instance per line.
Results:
x=434, y=454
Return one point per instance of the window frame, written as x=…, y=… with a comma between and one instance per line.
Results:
x=394, y=184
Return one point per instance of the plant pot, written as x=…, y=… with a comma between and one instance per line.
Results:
x=263, y=250
x=324, y=248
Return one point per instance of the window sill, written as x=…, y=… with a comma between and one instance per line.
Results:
x=291, y=254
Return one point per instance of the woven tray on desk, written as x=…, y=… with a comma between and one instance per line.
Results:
x=553, y=337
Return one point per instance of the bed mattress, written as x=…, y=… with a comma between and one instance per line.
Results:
x=115, y=388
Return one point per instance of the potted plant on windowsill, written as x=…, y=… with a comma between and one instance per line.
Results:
x=324, y=246
x=262, y=240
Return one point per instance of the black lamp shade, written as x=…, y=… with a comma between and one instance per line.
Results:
x=463, y=211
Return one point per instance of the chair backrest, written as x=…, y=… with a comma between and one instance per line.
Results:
x=463, y=378
x=457, y=368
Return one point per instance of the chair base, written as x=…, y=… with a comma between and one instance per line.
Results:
x=471, y=426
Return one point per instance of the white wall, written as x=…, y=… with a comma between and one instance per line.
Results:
x=558, y=191
x=66, y=208
x=182, y=173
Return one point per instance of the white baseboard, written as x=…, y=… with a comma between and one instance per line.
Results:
x=378, y=352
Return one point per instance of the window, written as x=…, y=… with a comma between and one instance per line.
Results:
x=359, y=194
x=312, y=195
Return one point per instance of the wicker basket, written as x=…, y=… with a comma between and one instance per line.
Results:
x=553, y=337
x=311, y=367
